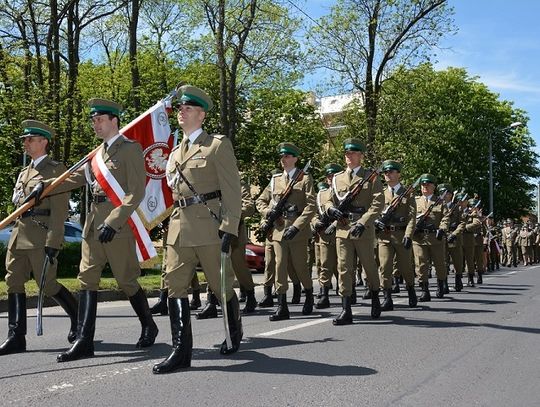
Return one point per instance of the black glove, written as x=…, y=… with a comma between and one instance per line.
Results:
x=290, y=232
x=406, y=242
x=451, y=238
x=272, y=213
x=106, y=233
x=357, y=230
x=439, y=234
x=51, y=254
x=379, y=225
x=319, y=226
x=335, y=213
x=225, y=241
x=35, y=193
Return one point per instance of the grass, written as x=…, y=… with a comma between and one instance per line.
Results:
x=149, y=282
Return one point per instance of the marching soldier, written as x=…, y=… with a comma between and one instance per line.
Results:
x=355, y=233
x=291, y=232
x=478, y=239
x=327, y=243
x=455, y=233
x=36, y=238
x=107, y=237
x=509, y=236
x=472, y=226
x=427, y=241
x=205, y=182
x=394, y=236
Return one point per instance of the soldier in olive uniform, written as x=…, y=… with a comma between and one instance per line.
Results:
x=198, y=231
x=355, y=233
x=107, y=237
x=473, y=226
x=327, y=243
x=429, y=249
x=509, y=235
x=455, y=233
x=36, y=237
x=394, y=236
x=291, y=231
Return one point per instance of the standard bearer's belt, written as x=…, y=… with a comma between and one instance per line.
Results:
x=99, y=198
x=36, y=212
x=192, y=200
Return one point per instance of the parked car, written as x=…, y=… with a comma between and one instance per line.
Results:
x=255, y=257
x=72, y=233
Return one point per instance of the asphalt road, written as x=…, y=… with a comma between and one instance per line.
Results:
x=480, y=347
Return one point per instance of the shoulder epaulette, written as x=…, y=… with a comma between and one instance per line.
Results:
x=277, y=175
x=218, y=136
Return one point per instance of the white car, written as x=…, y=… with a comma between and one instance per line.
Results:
x=72, y=233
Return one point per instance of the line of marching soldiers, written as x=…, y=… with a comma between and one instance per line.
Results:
x=360, y=224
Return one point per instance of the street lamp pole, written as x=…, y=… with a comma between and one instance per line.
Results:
x=512, y=126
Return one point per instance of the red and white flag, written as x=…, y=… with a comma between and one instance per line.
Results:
x=152, y=130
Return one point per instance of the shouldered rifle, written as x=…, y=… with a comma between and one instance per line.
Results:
x=387, y=213
x=278, y=209
x=421, y=219
x=345, y=205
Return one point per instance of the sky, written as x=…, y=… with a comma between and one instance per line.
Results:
x=498, y=41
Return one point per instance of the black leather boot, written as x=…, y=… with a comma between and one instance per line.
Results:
x=297, y=289
x=470, y=282
x=282, y=311
x=345, y=318
x=320, y=294
x=84, y=344
x=242, y=297
x=446, y=288
x=69, y=304
x=440, y=289
x=413, y=301
x=16, y=340
x=367, y=294
x=149, y=329
x=210, y=309
x=195, y=302
x=458, y=284
x=426, y=296
x=251, y=302
x=387, y=304
x=324, y=301
x=375, y=305
x=160, y=307
x=354, y=299
x=395, y=287
x=268, y=300
x=234, y=321
x=308, y=302
x=182, y=338
x=479, y=278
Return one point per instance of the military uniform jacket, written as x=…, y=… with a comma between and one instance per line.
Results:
x=405, y=213
x=456, y=225
x=322, y=197
x=124, y=159
x=248, y=209
x=210, y=166
x=299, y=209
x=44, y=230
x=437, y=219
x=366, y=206
x=509, y=235
x=474, y=225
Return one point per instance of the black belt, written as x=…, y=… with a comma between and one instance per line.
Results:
x=355, y=212
x=192, y=200
x=391, y=228
x=36, y=212
x=99, y=198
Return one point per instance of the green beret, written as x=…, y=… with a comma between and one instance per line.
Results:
x=446, y=187
x=288, y=148
x=427, y=178
x=192, y=95
x=104, y=106
x=391, y=165
x=35, y=128
x=330, y=169
x=460, y=196
x=353, y=144
x=322, y=186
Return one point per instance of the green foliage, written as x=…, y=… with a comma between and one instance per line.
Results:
x=275, y=117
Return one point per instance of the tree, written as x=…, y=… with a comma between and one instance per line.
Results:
x=363, y=41
x=440, y=123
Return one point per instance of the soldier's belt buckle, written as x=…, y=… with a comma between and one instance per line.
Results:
x=182, y=203
x=392, y=228
x=426, y=231
x=351, y=216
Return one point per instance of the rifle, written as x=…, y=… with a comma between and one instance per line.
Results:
x=389, y=211
x=327, y=222
x=277, y=210
x=421, y=219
